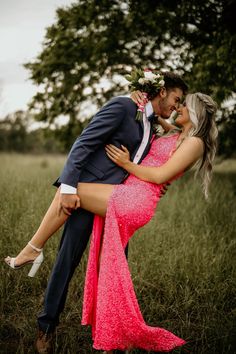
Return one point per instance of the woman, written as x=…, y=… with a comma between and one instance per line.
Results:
x=110, y=305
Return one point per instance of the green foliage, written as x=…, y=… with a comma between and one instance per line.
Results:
x=66, y=134
x=15, y=135
x=182, y=262
x=13, y=132
x=93, y=41
x=227, y=141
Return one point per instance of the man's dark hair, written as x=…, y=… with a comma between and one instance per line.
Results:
x=173, y=81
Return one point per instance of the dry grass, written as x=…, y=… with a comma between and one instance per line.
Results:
x=182, y=262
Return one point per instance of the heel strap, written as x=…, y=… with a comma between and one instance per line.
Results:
x=35, y=248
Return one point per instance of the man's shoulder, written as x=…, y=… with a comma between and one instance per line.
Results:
x=118, y=107
x=124, y=100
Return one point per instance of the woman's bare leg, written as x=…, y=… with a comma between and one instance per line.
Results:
x=93, y=197
x=50, y=224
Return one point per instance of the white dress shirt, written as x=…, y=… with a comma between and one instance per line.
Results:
x=148, y=110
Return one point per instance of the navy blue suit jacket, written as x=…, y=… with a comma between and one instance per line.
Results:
x=87, y=161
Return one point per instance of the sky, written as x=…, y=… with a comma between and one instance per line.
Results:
x=22, y=29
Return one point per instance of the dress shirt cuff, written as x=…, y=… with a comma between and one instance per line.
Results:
x=66, y=189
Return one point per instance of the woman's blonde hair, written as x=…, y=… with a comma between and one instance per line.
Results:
x=202, y=111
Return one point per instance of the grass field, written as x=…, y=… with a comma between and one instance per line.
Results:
x=183, y=262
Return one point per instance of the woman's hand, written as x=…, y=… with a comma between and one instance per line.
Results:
x=118, y=156
x=139, y=98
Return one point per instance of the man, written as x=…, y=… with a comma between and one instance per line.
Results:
x=87, y=162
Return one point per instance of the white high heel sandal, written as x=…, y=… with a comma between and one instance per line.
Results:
x=35, y=264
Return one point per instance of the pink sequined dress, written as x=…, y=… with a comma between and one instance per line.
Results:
x=110, y=305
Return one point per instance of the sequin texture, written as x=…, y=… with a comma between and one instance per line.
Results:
x=110, y=305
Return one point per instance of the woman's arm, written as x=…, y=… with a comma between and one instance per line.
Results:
x=184, y=157
x=166, y=125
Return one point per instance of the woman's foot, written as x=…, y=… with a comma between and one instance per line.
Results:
x=29, y=255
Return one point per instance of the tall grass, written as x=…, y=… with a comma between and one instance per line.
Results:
x=182, y=262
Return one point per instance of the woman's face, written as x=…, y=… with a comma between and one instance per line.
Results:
x=183, y=115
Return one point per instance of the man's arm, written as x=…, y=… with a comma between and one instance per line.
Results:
x=68, y=200
x=103, y=125
x=166, y=125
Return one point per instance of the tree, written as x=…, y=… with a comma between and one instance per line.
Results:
x=13, y=132
x=16, y=135
x=92, y=42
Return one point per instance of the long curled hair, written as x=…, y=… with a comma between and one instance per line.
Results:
x=202, y=111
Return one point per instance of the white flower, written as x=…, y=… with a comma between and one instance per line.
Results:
x=141, y=81
x=149, y=76
x=162, y=83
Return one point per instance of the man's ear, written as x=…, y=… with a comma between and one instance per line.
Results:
x=163, y=92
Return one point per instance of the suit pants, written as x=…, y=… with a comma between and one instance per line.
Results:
x=74, y=240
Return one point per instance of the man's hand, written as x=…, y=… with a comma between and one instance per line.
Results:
x=67, y=203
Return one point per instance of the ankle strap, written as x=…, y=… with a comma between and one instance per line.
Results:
x=35, y=248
